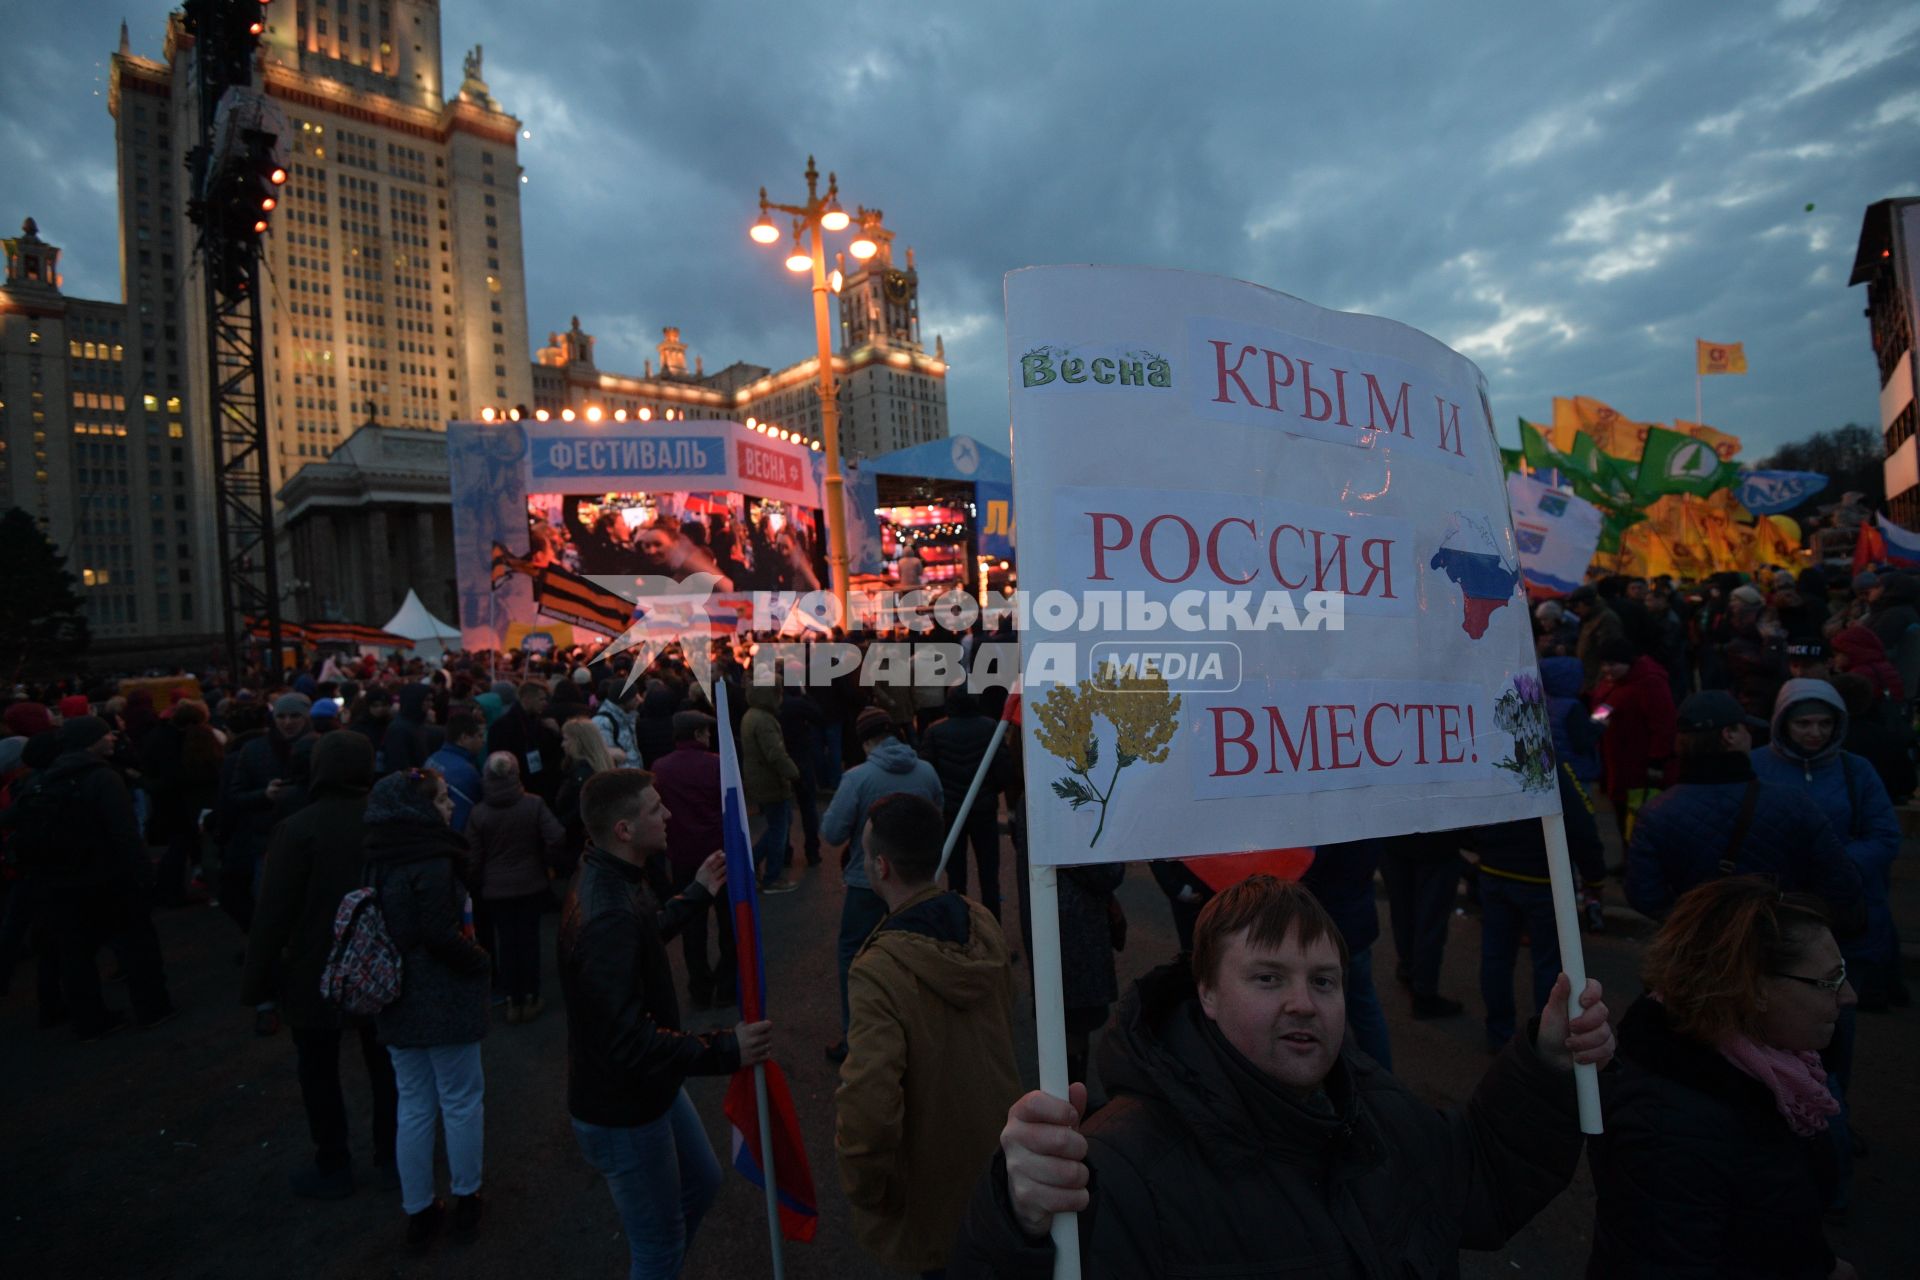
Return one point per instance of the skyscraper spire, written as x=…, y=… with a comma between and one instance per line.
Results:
x=126, y=45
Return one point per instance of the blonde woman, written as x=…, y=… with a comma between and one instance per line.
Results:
x=586, y=754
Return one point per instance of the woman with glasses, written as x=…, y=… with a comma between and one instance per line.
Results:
x=1716, y=1160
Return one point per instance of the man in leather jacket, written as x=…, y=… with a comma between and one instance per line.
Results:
x=626, y=1054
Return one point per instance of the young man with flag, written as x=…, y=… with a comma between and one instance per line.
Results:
x=929, y=1071
x=627, y=1057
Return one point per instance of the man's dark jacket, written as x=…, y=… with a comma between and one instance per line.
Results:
x=626, y=1054
x=955, y=746
x=246, y=814
x=317, y=857
x=535, y=746
x=1697, y=1174
x=1682, y=835
x=409, y=739
x=1202, y=1167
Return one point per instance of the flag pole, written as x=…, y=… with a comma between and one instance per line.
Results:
x=1566, y=921
x=766, y=1168
x=1050, y=1027
x=973, y=792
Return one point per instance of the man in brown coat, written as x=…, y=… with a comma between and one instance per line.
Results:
x=929, y=1070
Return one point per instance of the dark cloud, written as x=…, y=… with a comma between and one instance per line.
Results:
x=1570, y=202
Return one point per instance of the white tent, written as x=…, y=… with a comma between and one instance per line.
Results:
x=430, y=636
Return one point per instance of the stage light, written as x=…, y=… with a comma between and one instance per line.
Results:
x=486, y=414
x=278, y=177
x=595, y=413
x=566, y=415
x=619, y=415
x=513, y=415
x=646, y=414
x=751, y=423
x=541, y=415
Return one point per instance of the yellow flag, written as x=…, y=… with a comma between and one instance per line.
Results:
x=1720, y=357
x=1615, y=435
x=1724, y=444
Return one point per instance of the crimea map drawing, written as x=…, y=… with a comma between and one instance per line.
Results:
x=1470, y=556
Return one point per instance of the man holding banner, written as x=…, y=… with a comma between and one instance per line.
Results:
x=626, y=1055
x=1242, y=1135
x=1282, y=593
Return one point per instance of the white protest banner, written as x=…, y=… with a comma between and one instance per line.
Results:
x=1274, y=596
x=1277, y=596
x=1556, y=533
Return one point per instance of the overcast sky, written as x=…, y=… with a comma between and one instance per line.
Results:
x=1570, y=202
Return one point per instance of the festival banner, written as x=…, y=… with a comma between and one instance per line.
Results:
x=1297, y=587
x=1556, y=533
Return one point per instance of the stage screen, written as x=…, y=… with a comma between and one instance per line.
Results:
x=750, y=543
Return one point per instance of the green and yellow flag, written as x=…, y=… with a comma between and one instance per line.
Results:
x=1674, y=463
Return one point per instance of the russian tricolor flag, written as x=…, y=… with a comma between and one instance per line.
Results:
x=793, y=1179
x=1901, y=546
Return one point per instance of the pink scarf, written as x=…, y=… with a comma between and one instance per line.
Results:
x=1795, y=1078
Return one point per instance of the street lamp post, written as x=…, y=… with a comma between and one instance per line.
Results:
x=818, y=215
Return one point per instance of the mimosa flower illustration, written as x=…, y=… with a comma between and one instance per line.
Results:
x=1144, y=716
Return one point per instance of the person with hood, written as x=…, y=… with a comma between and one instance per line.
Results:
x=1720, y=818
x=891, y=766
x=458, y=761
x=75, y=832
x=318, y=857
x=929, y=1073
x=433, y=1029
x=955, y=746
x=1639, y=735
x=1809, y=727
x=265, y=784
x=627, y=1057
x=411, y=735
x=514, y=839
x=767, y=774
x=688, y=780
x=1243, y=1138
x=1716, y=1159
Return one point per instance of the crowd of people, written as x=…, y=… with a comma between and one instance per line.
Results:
x=1732, y=755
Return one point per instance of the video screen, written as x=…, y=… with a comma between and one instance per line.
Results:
x=749, y=543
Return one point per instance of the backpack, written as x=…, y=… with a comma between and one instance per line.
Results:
x=362, y=973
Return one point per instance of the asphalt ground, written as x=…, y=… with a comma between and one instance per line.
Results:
x=166, y=1152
